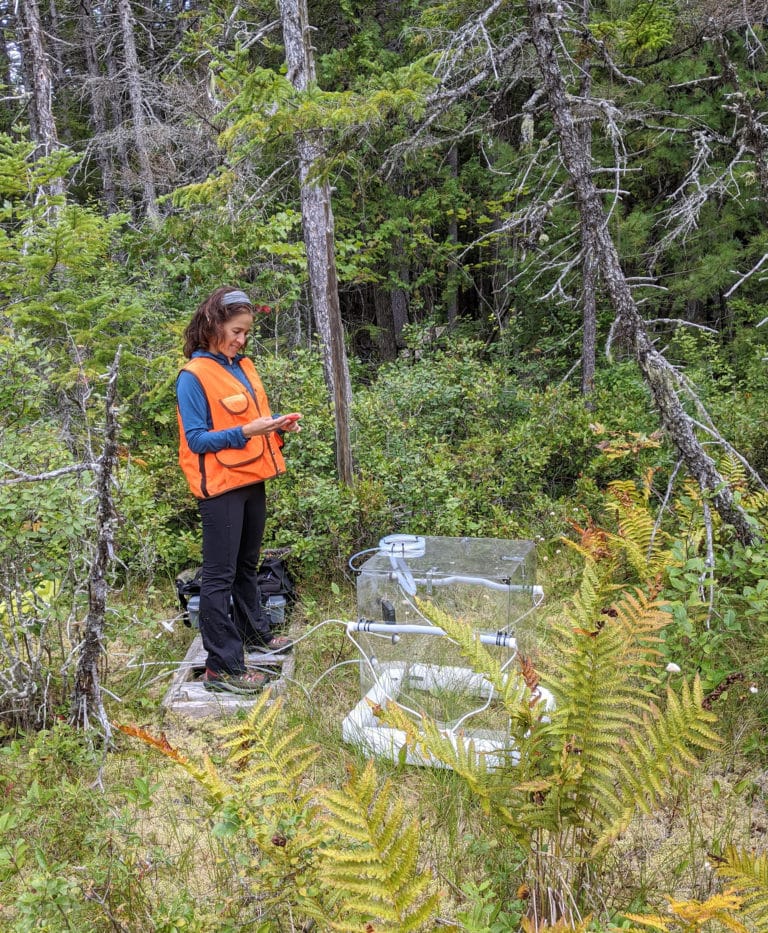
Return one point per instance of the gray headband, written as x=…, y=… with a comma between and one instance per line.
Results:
x=236, y=298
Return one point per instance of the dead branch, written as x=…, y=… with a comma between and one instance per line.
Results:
x=20, y=476
x=744, y=277
x=87, y=702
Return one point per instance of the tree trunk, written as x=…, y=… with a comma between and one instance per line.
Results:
x=588, y=259
x=38, y=71
x=385, y=339
x=317, y=220
x=589, y=314
x=58, y=73
x=117, y=120
x=136, y=96
x=87, y=700
x=8, y=104
x=629, y=327
x=452, y=293
x=97, y=94
x=400, y=301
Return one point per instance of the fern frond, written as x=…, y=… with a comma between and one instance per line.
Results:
x=643, y=543
x=372, y=862
x=653, y=921
x=663, y=747
x=612, y=748
x=749, y=874
x=592, y=592
x=208, y=775
x=733, y=472
x=509, y=686
x=694, y=915
x=429, y=741
x=272, y=761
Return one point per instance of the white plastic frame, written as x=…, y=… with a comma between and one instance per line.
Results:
x=362, y=728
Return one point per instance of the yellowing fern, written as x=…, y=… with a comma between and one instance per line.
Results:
x=748, y=873
x=342, y=859
x=611, y=745
x=691, y=916
x=373, y=861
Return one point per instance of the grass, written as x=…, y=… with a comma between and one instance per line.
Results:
x=129, y=839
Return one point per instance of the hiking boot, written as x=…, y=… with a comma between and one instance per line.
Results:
x=269, y=644
x=247, y=682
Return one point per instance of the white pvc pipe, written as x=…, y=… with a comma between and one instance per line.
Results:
x=500, y=639
x=478, y=581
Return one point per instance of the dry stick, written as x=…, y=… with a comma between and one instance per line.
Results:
x=667, y=495
x=744, y=277
x=19, y=476
x=87, y=702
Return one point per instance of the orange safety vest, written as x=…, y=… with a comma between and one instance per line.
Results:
x=231, y=406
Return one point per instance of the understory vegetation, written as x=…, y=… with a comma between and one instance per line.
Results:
x=645, y=782
x=544, y=227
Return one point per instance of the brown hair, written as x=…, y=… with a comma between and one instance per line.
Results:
x=205, y=327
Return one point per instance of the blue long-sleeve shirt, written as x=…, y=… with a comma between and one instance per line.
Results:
x=196, y=415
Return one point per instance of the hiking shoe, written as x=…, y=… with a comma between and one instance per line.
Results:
x=247, y=682
x=270, y=644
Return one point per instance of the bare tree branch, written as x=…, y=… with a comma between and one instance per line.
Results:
x=87, y=702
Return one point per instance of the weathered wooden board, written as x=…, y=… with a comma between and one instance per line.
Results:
x=188, y=697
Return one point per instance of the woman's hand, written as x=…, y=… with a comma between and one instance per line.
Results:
x=290, y=422
x=267, y=424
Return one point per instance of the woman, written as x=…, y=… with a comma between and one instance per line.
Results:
x=229, y=444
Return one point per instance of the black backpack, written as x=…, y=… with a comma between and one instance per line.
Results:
x=273, y=577
x=187, y=586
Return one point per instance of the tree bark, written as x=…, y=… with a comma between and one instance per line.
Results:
x=318, y=226
x=87, y=704
x=382, y=303
x=589, y=314
x=588, y=259
x=97, y=95
x=118, y=118
x=136, y=96
x=400, y=299
x=660, y=376
x=38, y=71
x=452, y=294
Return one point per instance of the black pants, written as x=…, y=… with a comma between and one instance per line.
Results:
x=233, y=527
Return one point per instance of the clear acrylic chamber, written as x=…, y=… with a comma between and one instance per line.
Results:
x=406, y=657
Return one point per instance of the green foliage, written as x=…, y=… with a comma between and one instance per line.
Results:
x=607, y=748
x=75, y=857
x=485, y=911
x=647, y=29
x=342, y=858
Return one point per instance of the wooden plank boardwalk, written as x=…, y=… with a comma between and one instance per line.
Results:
x=188, y=697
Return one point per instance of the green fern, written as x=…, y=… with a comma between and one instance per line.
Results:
x=273, y=764
x=373, y=862
x=607, y=749
x=646, y=547
x=342, y=859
